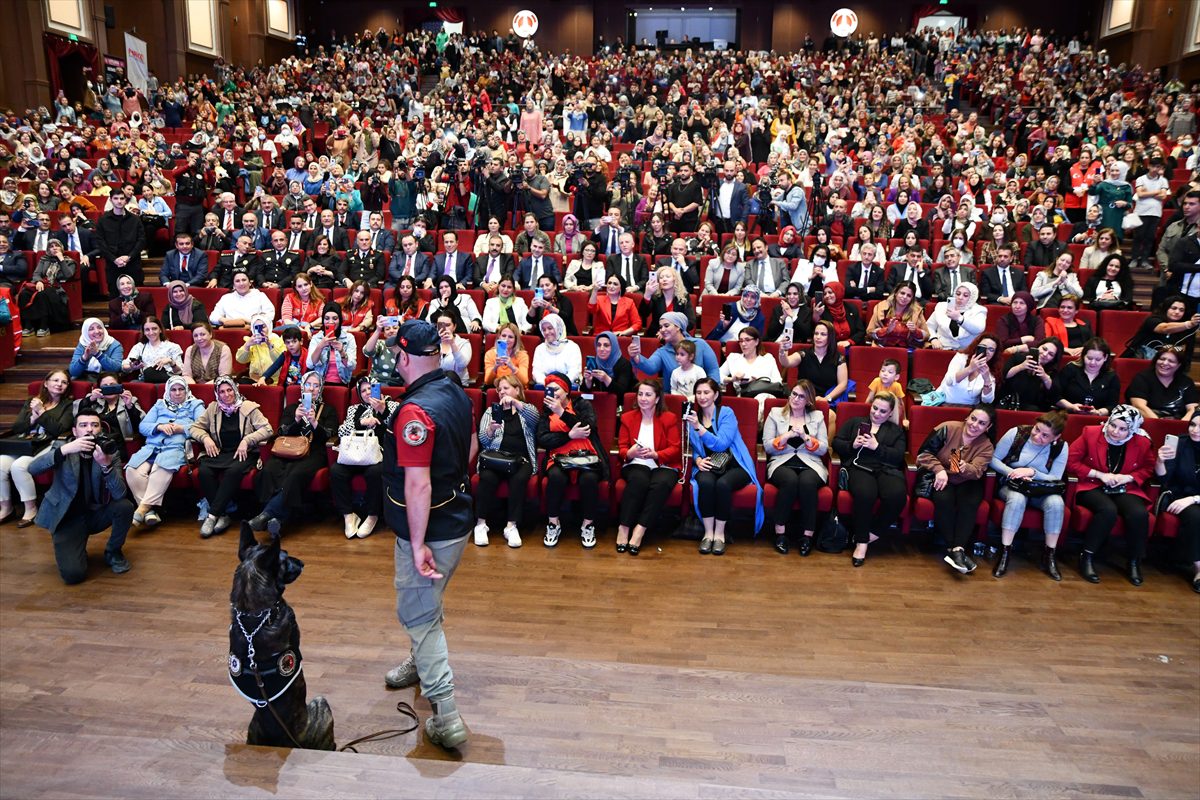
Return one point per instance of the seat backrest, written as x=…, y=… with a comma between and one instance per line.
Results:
x=931, y=364
x=605, y=406
x=1118, y=327
x=922, y=421
x=863, y=364
x=746, y=409
x=1159, y=428
x=1127, y=369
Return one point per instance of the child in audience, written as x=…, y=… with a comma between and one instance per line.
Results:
x=889, y=381
x=684, y=378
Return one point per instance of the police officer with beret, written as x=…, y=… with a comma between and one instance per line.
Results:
x=429, y=442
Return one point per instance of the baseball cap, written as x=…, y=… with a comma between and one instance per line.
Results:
x=416, y=337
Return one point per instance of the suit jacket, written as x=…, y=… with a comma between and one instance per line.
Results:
x=366, y=266
x=989, y=282
x=261, y=237
x=1183, y=264
x=63, y=489
x=279, y=268
x=612, y=266
x=224, y=271
x=304, y=241
x=525, y=271
x=220, y=212
x=311, y=221
x=712, y=280
x=600, y=237
x=25, y=240
x=14, y=269
x=339, y=238
x=739, y=203
x=422, y=267
x=385, y=241
x=1040, y=255
x=216, y=241
x=506, y=263
x=197, y=269
x=856, y=286
x=86, y=240
x=941, y=280
x=924, y=280
x=780, y=274
x=690, y=273
x=273, y=221
x=462, y=268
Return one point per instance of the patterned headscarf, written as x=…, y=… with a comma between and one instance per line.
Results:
x=1131, y=417
x=233, y=407
x=176, y=380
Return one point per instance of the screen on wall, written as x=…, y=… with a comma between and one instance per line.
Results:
x=685, y=26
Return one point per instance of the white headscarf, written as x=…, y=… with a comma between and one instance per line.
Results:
x=85, y=339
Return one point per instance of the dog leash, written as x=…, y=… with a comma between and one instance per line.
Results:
x=405, y=710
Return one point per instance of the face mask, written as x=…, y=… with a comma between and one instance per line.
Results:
x=818, y=261
x=959, y=243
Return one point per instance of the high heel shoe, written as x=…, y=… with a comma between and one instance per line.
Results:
x=805, y=545
x=634, y=549
x=856, y=561
x=622, y=546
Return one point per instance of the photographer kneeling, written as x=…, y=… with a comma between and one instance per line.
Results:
x=88, y=496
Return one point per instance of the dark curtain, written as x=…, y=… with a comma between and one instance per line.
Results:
x=451, y=15
x=56, y=48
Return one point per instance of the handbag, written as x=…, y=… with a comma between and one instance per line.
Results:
x=719, y=462
x=762, y=386
x=360, y=449
x=579, y=460
x=291, y=448
x=1035, y=488
x=923, y=486
x=26, y=444
x=1131, y=221
x=501, y=461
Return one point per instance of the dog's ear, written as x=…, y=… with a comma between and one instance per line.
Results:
x=246, y=541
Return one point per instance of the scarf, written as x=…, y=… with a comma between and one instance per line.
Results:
x=610, y=363
x=233, y=407
x=332, y=308
x=837, y=312
x=183, y=309
x=563, y=386
x=974, y=290
x=560, y=329
x=505, y=303
x=569, y=238
x=1026, y=327
x=320, y=392
x=132, y=294
x=172, y=381
x=1131, y=417
x=105, y=343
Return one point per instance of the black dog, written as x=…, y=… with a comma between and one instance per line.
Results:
x=264, y=650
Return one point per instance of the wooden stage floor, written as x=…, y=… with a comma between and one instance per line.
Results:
x=588, y=674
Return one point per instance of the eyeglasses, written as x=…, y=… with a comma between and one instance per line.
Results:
x=799, y=396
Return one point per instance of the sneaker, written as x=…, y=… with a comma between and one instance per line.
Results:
x=26, y=332
x=512, y=535
x=367, y=527
x=209, y=527
x=117, y=560
x=152, y=518
x=223, y=523
x=43, y=332
x=481, y=534
x=351, y=526
x=957, y=559
x=587, y=535
x=139, y=516
x=445, y=728
x=971, y=563
x=552, y=534
x=402, y=675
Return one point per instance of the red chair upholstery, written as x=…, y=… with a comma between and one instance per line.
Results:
x=127, y=339
x=1118, y=327
x=931, y=364
x=924, y=421
x=863, y=364
x=1127, y=368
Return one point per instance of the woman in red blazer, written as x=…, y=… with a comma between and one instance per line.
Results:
x=1113, y=461
x=651, y=455
x=615, y=312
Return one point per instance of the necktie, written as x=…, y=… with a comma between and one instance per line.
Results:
x=73, y=243
x=41, y=242
x=953, y=280
x=228, y=220
x=183, y=265
x=408, y=269
x=866, y=275
x=612, y=242
x=765, y=276
x=493, y=272
x=295, y=241
x=374, y=240
x=537, y=269
x=628, y=271
x=450, y=264
x=1004, y=282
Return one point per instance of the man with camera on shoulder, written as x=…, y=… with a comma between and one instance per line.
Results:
x=88, y=496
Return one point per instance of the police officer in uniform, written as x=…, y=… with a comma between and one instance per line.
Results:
x=427, y=504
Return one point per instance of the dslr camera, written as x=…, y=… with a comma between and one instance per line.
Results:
x=107, y=443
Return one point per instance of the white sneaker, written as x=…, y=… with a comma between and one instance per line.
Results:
x=351, y=529
x=367, y=527
x=43, y=332
x=587, y=534
x=481, y=534
x=552, y=533
x=512, y=535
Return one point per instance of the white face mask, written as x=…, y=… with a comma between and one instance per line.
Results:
x=959, y=242
x=818, y=261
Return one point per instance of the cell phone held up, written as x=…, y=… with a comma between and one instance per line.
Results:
x=590, y=363
x=501, y=349
x=376, y=391
x=864, y=429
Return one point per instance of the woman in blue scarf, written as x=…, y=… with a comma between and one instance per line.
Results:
x=152, y=468
x=608, y=370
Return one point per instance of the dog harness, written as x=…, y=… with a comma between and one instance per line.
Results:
x=262, y=685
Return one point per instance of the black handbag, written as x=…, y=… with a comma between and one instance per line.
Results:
x=27, y=444
x=501, y=461
x=1036, y=487
x=719, y=462
x=762, y=386
x=581, y=460
x=923, y=486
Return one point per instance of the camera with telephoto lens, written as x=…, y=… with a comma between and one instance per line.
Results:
x=108, y=443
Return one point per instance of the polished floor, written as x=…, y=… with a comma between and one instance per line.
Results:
x=592, y=674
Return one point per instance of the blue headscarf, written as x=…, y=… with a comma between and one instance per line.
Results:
x=610, y=363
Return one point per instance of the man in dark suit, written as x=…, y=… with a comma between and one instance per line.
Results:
x=338, y=237
x=76, y=240
x=914, y=271
x=535, y=265
x=408, y=260
x=14, y=269
x=229, y=214
x=382, y=240
x=36, y=236
x=242, y=259
x=298, y=239
x=269, y=215
x=184, y=263
x=946, y=281
x=277, y=266
x=1183, y=271
x=628, y=264
x=87, y=496
x=687, y=266
x=455, y=263
x=1000, y=281
x=420, y=232
x=497, y=264
x=211, y=237
x=342, y=218
x=1046, y=250
x=363, y=263
x=864, y=281
x=260, y=236
x=310, y=216
x=608, y=232
x=732, y=202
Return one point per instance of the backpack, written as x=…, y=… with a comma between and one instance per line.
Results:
x=833, y=536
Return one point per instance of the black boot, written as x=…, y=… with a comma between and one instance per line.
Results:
x=805, y=545
x=1002, y=561
x=1050, y=565
x=1135, y=571
x=1086, y=568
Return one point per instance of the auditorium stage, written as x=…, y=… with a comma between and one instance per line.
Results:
x=601, y=675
